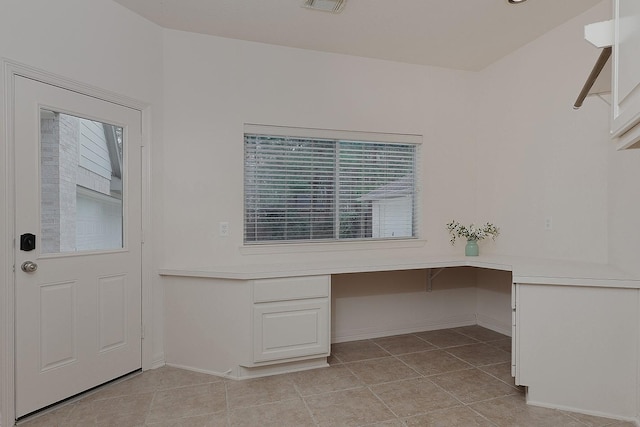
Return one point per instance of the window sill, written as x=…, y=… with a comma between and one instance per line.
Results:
x=287, y=248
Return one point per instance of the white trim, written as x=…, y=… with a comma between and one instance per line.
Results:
x=425, y=325
x=7, y=407
x=10, y=69
x=494, y=324
x=331, y=246
x=349, y=135
x=18, y=69
x=240, y=373
x=580, y=411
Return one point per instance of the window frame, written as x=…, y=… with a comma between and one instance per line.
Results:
x=338, y=136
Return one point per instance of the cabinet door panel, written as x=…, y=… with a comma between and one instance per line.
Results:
x=294, y=329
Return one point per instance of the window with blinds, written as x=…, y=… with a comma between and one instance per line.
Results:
x=316, y=188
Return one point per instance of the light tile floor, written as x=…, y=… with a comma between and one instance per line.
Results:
x=453, y=377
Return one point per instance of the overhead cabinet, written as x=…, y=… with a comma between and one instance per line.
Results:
x=621, y=35
x=626, y=74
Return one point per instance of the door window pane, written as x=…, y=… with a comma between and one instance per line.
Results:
x=81, y=184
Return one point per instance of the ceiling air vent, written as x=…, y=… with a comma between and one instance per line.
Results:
x=333, y=6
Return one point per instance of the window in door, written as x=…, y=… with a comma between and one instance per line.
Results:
x=81, y=167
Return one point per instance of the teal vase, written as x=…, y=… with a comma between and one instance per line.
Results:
x=472, y=248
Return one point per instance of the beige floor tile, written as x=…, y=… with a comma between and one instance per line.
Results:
x=472, y=385
x=381, y=370
x=187, y=402
x=140, y=383
x=324, y=380
x=131, y=408
x=503, y=344
x=445, y=338
x=512, y=411
x=412, y=387
x=402, y=344
x=622, y=424
x=52, y=418
x=390, y=423
x=593, y=421
x=218, y=419
x=460, y=416
x=480, y=354
x=357, y=350
x=333, y=360
x=479, y=333
x=502, y=371
x=156, y=379
x=354, y=407
x=259, y=391
x=412, y=397
x=170, y=377
x=434, y=362
x=285, y=413
x=119, y=420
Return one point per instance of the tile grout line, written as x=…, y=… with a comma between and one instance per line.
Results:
x=226, y=401
x=481, y=415
x=146, y=417
x=305, y=403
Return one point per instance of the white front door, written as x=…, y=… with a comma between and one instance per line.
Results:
x=78, y=244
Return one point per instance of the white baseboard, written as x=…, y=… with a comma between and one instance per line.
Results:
x=242, y=373
x=429, y=325
x=158, y=361
x=532, y=402
x=493, y=324
x=202, y=371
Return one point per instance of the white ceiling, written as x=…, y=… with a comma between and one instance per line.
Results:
x=461, y=34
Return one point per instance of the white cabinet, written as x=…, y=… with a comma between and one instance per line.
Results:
x=291, y=318
x=626, y=73
x=576, y=347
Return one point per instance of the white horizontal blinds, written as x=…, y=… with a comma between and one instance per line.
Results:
x=327, y=187
x=376, y=190
x=289, y=188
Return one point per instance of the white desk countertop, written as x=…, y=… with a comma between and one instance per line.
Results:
x=524, y=270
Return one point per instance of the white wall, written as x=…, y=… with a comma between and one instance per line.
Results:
x=368, y=305
x=94, y=42
x=624, y=209
x=493, y=300
x=537, y=157
x=214, y=85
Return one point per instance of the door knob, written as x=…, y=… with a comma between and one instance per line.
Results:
x=29, y=266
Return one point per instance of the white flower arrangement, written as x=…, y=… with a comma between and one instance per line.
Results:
x=472, y=232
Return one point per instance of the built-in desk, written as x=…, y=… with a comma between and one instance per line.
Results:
x=575, y=326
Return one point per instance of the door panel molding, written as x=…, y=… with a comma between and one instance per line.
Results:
x=9, y=70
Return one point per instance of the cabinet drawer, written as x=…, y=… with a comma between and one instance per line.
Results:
x=291, y=288
x=290, y=329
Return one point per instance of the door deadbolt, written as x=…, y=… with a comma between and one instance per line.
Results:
x=29, y=266
x=27, y=242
